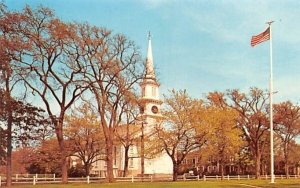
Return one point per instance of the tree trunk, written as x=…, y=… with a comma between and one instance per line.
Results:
x=9, y=148
x=87, y=169
x=221, y=162
x=64, y=161
x=286, y=164
x=109, y=158
x=263, y=168
x=126, y=160
x=175, y=171
x=9, y=133
x=257, y=164
x=222, y=169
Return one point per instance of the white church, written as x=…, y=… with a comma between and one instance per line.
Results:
x=150, y=112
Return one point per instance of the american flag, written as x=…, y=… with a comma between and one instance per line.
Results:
x=262, y=37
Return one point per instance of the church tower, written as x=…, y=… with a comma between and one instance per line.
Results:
x=150, y=112
x=150, y=103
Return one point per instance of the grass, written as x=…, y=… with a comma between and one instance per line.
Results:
x=285, y=183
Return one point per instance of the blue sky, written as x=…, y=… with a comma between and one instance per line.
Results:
x=201, y=45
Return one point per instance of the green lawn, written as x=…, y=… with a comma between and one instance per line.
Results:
x=290, y=183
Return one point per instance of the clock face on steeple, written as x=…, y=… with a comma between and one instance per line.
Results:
x=154, y=109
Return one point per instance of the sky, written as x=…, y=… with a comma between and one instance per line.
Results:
x=201, y=45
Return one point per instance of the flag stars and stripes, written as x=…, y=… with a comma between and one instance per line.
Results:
x=262, y=37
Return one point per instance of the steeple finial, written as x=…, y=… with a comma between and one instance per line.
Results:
x=149, y=35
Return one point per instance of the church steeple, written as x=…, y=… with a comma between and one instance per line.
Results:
x=150, y=102
x=149, y=60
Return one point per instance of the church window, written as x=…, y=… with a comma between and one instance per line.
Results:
x=131, y=162
x=115, y=152
x=153, y=91
x=143, y=91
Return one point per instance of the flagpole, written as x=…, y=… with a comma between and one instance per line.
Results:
x=271, y=107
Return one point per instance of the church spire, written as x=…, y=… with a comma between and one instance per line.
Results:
x=149, y=60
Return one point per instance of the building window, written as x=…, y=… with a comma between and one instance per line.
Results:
x=115, y=151
x=131, y=150
x=153, y=91
x=131, y=162
x=143, y=91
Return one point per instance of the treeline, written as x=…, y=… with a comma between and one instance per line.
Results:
x=86, y=78
x=229, y=127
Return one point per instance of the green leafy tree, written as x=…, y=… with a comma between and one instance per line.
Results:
x=26, y=122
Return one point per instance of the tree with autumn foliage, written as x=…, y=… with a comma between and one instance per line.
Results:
x=85, y=137
x=225, y=140
x=252, y=109
x=46, y=158
x=182, y=130
x=41, y=49
x=287, y=127
x=294, y=157
x=7, y=84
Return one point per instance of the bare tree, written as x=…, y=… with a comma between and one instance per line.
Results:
x=128, y=133
x=112, y=68
x=44, y=65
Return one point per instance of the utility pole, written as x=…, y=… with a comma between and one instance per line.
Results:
x=142, y=152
